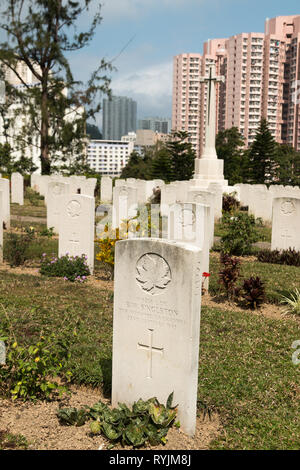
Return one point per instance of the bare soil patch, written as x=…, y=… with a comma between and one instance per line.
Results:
x=42, y=430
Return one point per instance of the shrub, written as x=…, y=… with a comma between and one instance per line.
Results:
x=147, y=422
x=254, y=292
x=288, y=257
x=71, y=268
x=16, y=247
x=47, y=232
x=33, y=197
x=292, y=302
x=229, y=274
x=27, y=370
x=230, y=203
x=240, y=233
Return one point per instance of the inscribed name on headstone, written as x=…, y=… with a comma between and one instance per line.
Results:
x=157, y=324
x=77, y=226
x=286, y=224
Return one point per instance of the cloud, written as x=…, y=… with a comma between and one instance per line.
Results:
x=135, y=8
x=151, y=87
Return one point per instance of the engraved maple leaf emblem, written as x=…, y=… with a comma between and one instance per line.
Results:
x=153, y=273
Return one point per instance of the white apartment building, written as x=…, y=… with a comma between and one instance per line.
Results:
x=108, y=157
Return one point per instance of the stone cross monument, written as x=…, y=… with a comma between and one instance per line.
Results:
x=208, y=168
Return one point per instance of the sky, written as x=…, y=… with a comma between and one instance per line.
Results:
x=141, y=37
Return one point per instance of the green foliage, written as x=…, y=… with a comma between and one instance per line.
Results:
x=289, y=257
x=147, y=422
x=229, y=147
x=33, y=197
x=254, y=292
x=9, y=441
x=138, y=166
x=288, y=165
x=262, y=156
x=28, y=368
x=47, y=232
x=240, y=232
x=170, y=162
x=230, y=203
x=71, y=268
x=37, y=36
x=93, y=131
x=229, y=274
x=292, y=302
x=9, y=164
x=182, y=156
x=16, y=247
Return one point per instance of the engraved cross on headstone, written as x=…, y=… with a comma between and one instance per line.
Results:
x=74, y=243
x=150, y=348
x=285, y=236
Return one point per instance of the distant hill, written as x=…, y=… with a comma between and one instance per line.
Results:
x=93, y=131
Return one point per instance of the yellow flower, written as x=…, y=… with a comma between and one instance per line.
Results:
x=37, y=359
x=15, y=344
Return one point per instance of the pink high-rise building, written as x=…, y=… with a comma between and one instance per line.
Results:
x=261, y=72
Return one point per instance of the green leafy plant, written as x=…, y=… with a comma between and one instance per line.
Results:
x=34, y=198
x=71, y=268
x=240, y=233
x=229, y=274
x=292, y=302
x=230, y=204
x=288, y=257
x=47, y=232
x=254, y=292
x=147, y=421
x=15, y=250
x=28, y=370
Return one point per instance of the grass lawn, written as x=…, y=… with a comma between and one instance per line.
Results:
x=279, y=279
x=246, y=373
x=245, y=370
x=29, y=209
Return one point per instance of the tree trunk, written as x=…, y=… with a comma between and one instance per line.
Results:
x=45, y=157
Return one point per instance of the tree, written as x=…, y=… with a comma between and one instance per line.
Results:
x=93, y=131
x=229, y=147
x=39, y=34
x=262, y=156
x=8, y=164
x=138, y=166
x=288, y=165
x=162, y=165
x=182, y=156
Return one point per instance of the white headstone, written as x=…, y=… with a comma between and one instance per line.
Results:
x=17, y=189
x=77, y=226
x=260, y=202
x=217, y=189
x=88, y=187
x=4, y=187
x=168, y=197
x=190, y=223
x=2, y=353
x=124, y=204
x=208, y=199
x=156, y=324
x=55, y=190
x=106, y=189
x=1, y=227
x=286, y=224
